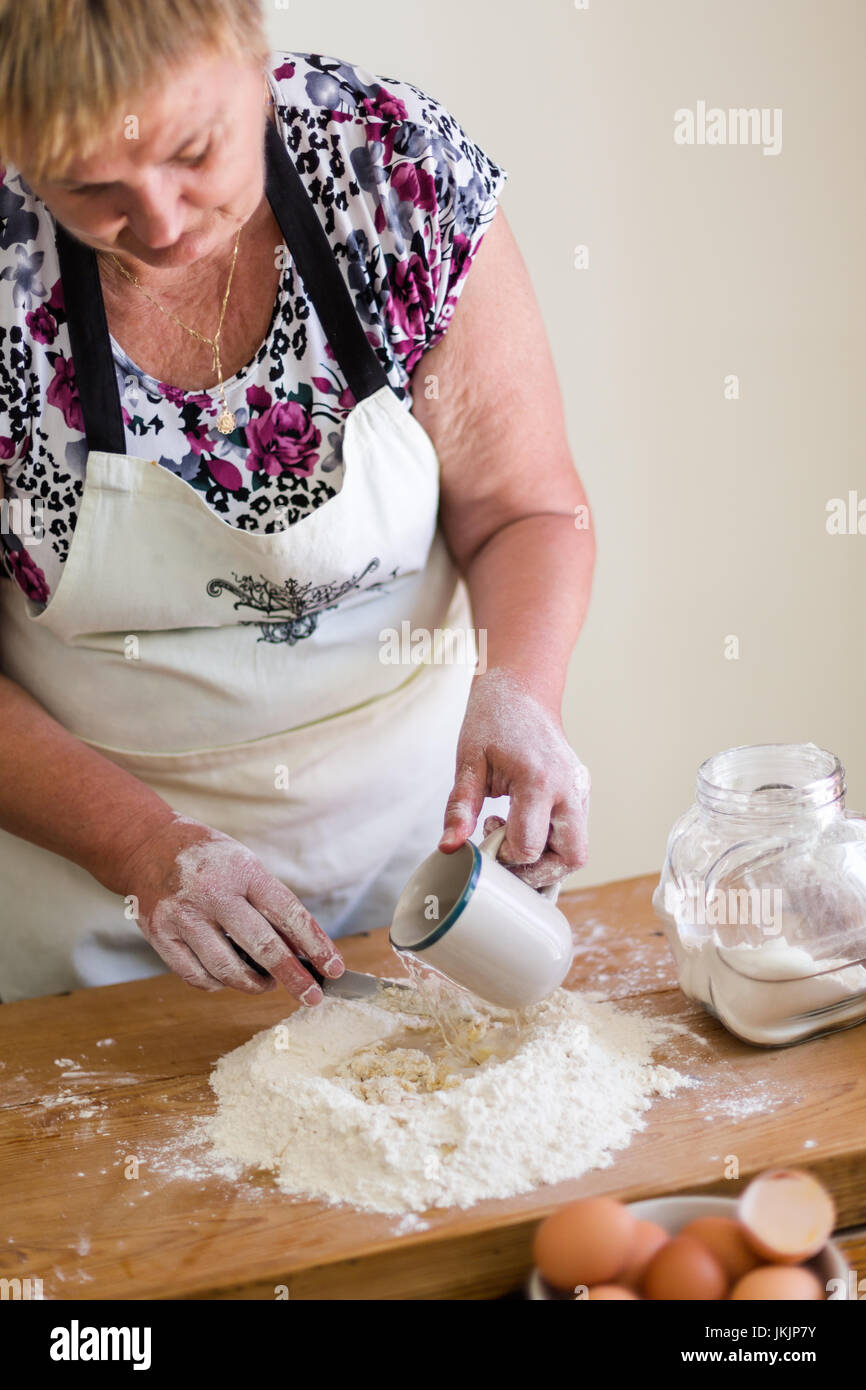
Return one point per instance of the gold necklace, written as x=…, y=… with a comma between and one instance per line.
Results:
x=226, y=421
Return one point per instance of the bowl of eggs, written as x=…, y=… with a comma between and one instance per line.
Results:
x=771, y=1242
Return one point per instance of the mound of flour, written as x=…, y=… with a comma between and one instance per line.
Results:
x=370, y=1103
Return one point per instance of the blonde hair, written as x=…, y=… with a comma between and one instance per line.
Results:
x=68, y=67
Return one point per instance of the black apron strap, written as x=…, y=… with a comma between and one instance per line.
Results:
x=308, y=243
x=311, y=251
x=90, y=345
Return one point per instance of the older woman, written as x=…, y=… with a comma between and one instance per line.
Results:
x=255, y=415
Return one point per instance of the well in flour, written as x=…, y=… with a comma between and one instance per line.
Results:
x=365, y=1102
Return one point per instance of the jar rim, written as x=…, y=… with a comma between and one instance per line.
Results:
x=774, y=768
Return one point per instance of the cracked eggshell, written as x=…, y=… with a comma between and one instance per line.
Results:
x=787, y=1215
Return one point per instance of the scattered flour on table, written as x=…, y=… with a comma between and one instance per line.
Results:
x=644, y=967
x=374, y=1103
x=188, y=1157
x=739, y=1102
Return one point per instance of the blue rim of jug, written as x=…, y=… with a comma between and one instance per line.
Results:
x=453, y=913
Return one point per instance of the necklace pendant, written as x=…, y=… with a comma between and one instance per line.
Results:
x=226, y=421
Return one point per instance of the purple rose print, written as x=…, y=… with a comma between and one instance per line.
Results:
x=180, y=398
x=384, y=106
x=461, y=259
x=411, y=297
x=415, y=186
x=42, y=325
x=283, y=440
x=62, y=392
x=258, y=398
x=28, y=575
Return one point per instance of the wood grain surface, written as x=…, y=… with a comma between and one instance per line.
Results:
x=79, y=1115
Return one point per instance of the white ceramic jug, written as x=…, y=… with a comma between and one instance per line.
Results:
x=471, y=918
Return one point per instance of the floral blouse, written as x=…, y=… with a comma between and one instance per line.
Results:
x=404, y=196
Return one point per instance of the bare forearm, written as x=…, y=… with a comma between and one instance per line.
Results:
x=530, y=586
x=60, y=794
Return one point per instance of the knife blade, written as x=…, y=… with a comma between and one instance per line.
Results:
x=352, y=984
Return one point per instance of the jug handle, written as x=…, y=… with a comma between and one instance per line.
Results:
x=490, y=845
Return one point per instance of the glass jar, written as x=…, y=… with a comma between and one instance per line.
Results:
x=763, y=894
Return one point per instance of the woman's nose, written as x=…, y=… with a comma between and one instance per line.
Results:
x=156, y=214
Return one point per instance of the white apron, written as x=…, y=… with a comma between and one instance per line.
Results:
x=241, y=675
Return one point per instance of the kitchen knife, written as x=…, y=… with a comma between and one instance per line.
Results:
x=352, y=984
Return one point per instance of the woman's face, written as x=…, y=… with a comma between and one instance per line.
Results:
x=178, y=176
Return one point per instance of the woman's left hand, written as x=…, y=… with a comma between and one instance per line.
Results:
x=512, y=745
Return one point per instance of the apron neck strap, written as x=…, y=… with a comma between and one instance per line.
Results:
x=90, y=345
x=306, y=239
x=311, y=251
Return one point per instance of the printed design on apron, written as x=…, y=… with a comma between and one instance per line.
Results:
x=293, y=608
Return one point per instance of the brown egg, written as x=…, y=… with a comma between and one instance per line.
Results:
x=769, y=1282
x=684, y=1269
x=787, y=1215
x=585, y=1242
x=648, y=1238
x=608, y=1293
x=727, y=1241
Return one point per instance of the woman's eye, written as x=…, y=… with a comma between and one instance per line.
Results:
x=191, y=162
x=197, y=159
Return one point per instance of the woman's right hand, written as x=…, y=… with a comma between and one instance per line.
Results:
x=194, y=887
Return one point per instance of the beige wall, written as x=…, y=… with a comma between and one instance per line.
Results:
x=704, y=261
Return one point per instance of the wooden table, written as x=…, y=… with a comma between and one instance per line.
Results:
x=72, y=1138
